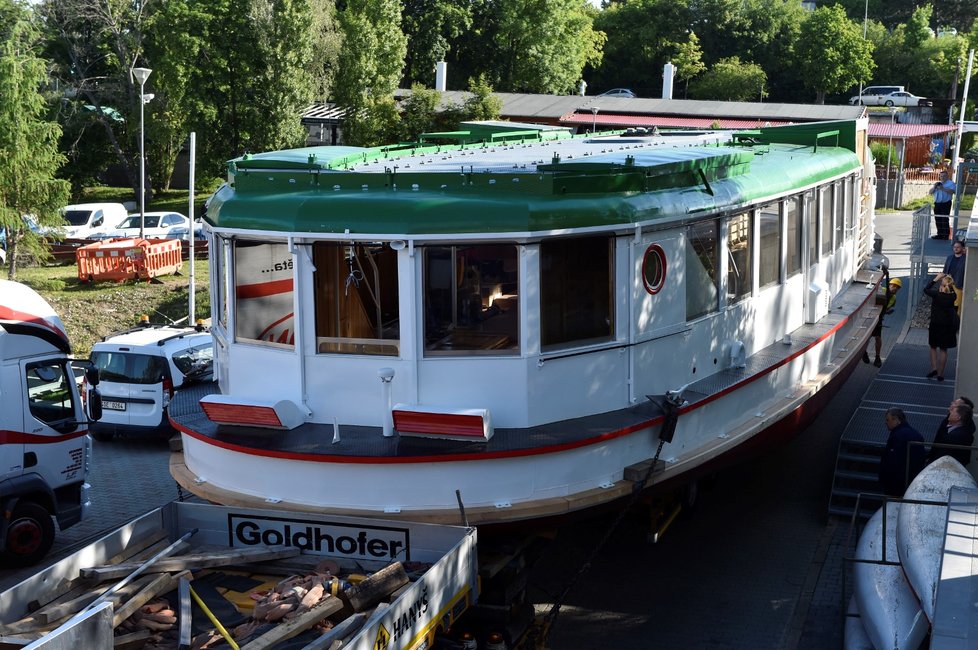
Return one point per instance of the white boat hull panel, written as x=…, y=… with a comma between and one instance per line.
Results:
x=890, y=612
x=920, y=528
x=855, y=633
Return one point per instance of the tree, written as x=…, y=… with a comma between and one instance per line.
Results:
x=370, y=67
x=688, y=60
x=431, y=27
x=418, y=112
x=481, y=104
x=731, y=80
x=28, y=142
x=832, y=53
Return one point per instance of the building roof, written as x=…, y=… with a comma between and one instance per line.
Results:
x=618, y=120
x=903, y=131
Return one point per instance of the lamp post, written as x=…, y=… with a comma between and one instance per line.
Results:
x=594, y=120
x=889, y=151
x=141, y=75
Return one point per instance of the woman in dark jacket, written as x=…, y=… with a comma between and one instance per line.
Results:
x=943, y=331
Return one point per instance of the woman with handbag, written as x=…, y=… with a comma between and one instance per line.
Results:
x=942, y=334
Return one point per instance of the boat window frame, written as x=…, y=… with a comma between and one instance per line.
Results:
x=608, y=242
x=825, y=218
x=811, y=221
x=838, y=210
x=654, y=251
x=457, y=280
x=779, y=221
x=715, y=276
x=236, y=321
x=744, y=249
x=795, y=215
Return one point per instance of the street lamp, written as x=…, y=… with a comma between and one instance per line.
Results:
x=594, y=120
x=141, y=75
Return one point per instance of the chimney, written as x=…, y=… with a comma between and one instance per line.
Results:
x=583, y=87
x=668, y=72
x=441, y=76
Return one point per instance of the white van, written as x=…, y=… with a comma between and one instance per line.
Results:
x=87, y=219
x=140, y=369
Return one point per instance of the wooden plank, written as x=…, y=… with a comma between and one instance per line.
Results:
x=377, y=587
x=131, y=641
x=56, y=612
x=192, y=561
x=301, y=623
x=159, y=585
x=186, y=615
x=640, y=471
x=350, y=626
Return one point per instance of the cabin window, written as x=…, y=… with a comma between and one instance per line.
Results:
x=701, y=268
x=49, y=394
x=811, y=218
x=838, y=202
x=792, y=220
x=357, y=298
x=263, y=296
x=769, y=226
x=471, y=299
x=847, y=208
x=576, y=291
x=654, y=269
x=221, y=281
x=739, y=277
x=825, y=207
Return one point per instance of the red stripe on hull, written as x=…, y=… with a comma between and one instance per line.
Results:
x=21, y=438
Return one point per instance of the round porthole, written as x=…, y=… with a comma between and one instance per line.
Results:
x=654, y=268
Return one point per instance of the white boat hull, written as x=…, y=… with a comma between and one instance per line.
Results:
x=891, y=614
x=855, y=633
x=920, y=528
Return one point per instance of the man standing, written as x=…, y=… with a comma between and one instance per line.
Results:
x=958, y=428
x=895, y=473
x=954, y=264
x=943, y=192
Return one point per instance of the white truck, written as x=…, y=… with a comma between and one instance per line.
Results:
x=45, y=449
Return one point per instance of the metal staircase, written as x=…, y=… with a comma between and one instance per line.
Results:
x=856, y=473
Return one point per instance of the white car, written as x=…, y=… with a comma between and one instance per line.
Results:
x=903, y=98
x=91, y=220
x=139, y=371
x=156, y=225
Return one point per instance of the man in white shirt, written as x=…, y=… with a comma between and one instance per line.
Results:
x=943, y=192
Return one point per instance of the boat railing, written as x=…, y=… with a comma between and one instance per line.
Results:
x=919, y=259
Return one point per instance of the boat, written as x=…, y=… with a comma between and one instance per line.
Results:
x=921, y=526
x=889, y=610
x=514, y=322
x=856, y=637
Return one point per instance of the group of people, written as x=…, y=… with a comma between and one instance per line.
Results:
x=902, y=461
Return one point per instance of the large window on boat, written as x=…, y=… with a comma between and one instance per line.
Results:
x=357, y=310
x=838, y=193
x=576, y=291
x=701, y=268
x=825, y=208
x=263, y=301
x=811, y=218
x=739, y=277
x=792, y=224
x=769, y=255
x=471, y=303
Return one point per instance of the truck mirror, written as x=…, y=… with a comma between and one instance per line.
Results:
x=91, y=375
x=94, y=405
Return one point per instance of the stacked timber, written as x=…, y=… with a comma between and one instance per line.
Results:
x=256, y=597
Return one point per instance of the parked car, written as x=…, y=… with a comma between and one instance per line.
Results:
x=88, y=220
x=903, y=98
x=183, y=232
x=156, y=225
x=618, y=92
x=875, y=95
x=140, y=369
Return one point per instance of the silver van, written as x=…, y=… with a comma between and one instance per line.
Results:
x=140, y=369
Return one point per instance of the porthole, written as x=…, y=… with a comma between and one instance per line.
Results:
x=654, y=269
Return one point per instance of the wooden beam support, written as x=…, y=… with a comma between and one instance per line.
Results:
x=193, y=561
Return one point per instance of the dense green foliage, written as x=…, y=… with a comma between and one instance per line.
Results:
x=832, y=53
x=732, y=81
x=28, y=141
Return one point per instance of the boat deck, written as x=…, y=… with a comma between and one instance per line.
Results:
x=901, y=383
x=315, y=441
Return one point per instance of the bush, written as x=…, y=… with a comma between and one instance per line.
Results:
x=880, y=151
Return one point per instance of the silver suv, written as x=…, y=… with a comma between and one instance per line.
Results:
x=140, y=369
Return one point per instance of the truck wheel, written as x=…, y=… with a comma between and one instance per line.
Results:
x=29, y=535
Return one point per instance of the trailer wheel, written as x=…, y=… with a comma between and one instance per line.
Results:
x=30, y=535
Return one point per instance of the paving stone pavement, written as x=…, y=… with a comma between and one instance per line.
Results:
x=129, y=477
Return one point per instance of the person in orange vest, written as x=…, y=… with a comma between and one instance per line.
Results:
x=889, y=303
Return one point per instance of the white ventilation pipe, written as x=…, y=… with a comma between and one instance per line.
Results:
x=441, y=76
x=668, y=72
x=583, y=87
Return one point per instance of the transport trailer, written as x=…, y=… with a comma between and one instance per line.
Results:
x=68, y=605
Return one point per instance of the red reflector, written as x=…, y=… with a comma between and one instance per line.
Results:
x=261, y=416
x=440, y=424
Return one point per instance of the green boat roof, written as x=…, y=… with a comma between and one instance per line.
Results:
x=530, y=183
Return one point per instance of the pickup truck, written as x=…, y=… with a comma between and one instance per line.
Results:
x=443, y=561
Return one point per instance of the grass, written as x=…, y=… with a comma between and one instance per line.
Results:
x=92, y=311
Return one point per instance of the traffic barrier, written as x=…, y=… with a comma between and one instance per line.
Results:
x=124, y=259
